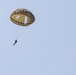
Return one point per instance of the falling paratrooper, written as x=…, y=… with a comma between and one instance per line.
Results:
x=22, y=17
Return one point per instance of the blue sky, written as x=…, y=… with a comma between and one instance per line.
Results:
x=47, y=47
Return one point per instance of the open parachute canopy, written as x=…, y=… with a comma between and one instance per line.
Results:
x=22, y=17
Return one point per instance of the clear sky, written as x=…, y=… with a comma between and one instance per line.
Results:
x=47, y=47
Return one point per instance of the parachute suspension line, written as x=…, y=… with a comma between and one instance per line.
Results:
x=20, y=35
x=15, y=36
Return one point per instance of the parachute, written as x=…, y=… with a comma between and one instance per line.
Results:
x=22, y=17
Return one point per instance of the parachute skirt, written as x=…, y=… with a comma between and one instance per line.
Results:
x=22, y=17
